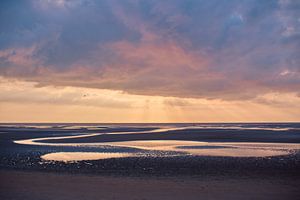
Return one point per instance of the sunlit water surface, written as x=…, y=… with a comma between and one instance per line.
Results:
x=79, y=156
x=179, y=148
x=156, y=147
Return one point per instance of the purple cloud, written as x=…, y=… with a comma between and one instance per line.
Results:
x=207, y=49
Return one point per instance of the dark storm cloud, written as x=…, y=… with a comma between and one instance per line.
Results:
x=211, y=49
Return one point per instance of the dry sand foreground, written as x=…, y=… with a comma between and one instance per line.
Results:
x=16, y=185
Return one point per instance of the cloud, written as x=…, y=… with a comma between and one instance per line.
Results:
x=77, y=104
x=20, y=92
x=202, y=49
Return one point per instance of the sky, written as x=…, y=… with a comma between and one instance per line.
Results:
x=149, y=61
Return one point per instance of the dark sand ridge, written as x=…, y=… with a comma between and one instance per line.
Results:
x=206, y=135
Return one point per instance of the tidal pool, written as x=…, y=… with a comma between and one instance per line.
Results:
x=179, y=148
x=212, y=148
x=79, y=156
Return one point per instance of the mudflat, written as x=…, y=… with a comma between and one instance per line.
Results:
x=17, y=185
x=174, y=161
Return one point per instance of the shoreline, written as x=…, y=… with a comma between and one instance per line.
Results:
x=154, y=161
x=158, y=174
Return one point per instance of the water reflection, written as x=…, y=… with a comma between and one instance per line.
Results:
x=79, y=156
x=211, y=148
x=158, y=148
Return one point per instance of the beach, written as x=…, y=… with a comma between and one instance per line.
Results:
x=37, y=185
x=150, y=162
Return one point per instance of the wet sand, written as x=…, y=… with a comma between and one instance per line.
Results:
x=203, y=135
x=17, y=185
x=157, y=174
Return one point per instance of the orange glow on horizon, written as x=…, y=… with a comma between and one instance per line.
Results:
x=24, y=102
